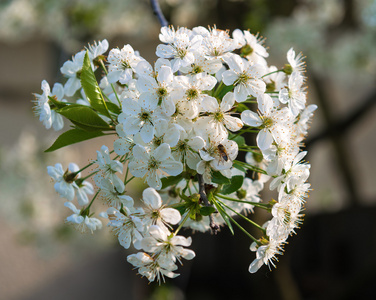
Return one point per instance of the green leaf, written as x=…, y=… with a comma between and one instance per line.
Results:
x=171, y=180
x=225, y=90
x=57, y=104
x=181, y=208
x=239, y=140
x=224, y=215
x=192, y=214
x=238, y=166
x=236, y=184
x=91, y=88
x=207, y=210
x=85, y=116
x=73, y=136
x=241, y=107
x=113, y=108
x=217, y=177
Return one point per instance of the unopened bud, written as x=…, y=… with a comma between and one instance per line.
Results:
x=287, y=69
x=173, y=193
x=241, y=194
x=270, y=87
x=246, y=50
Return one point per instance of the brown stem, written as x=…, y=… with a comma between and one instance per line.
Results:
x=204, y=198
x=158, y=12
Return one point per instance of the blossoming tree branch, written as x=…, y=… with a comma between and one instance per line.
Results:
x=179, y=125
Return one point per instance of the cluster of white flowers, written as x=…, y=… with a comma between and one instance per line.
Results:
x=179, y=125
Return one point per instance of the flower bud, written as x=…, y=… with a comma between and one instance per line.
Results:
x=241, y=194
x=287, y=69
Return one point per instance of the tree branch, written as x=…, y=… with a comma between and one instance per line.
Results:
x=201, y=186
x=158, y=12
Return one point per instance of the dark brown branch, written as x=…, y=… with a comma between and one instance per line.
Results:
x=158, y=12
x=340, y=148
x=204, y=198
x=342, y=126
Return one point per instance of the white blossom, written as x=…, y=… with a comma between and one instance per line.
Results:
x=82, y=223
x=244, y=76
x=64, y=180
x=42, y=106
x=72, y=70
x=154, y=165
x=122, y=64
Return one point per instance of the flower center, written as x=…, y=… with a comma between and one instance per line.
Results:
x=158, y=140
x=78, y=74
x=216, y=52
x=145, y=116
x=267, y=122
x=192, y=94
x=243, y=78
x=153, y=163
x=125, y=64
x=196, y=69
x=181, y=52
x=287, y=217
x=162, y=92
x=155, y=214
x=182, y=146
x=218, y=116
x=69, y=177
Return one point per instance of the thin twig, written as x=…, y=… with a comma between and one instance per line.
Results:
x=158, y=12
x=344, y=163
x=342, y=126
x=201, y=186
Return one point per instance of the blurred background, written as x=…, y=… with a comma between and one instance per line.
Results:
x=332, y=256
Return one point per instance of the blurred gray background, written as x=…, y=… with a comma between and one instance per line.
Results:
x=332, y=255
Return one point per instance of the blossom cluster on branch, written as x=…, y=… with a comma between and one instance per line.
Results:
x=179, y=124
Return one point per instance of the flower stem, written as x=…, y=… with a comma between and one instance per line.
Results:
x=218, y=90
x=88, y=176
x=219, y=203
x=92, y=200
x=271, y=73
x=245, y=218
x=250, y=167
x=113, y=88
x=83, y=168
x=130, y=179
x=261, y=205
x=182, y=223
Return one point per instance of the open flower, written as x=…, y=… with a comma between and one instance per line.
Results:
x=64, y=180
x=150, y=267
x=168, y=247
x=155, y=165
x=122, y=64
x=127, y=226
x=180, y=47
x=294, y=94
x=42, y=106
x=72, y=69
x=252, y=47
x=271, y=121
x=82, y=223
x=158, y=90
x=219, y=118
x=108, y=169
x=139, y=117
x=244, y=76
x=156, y=213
